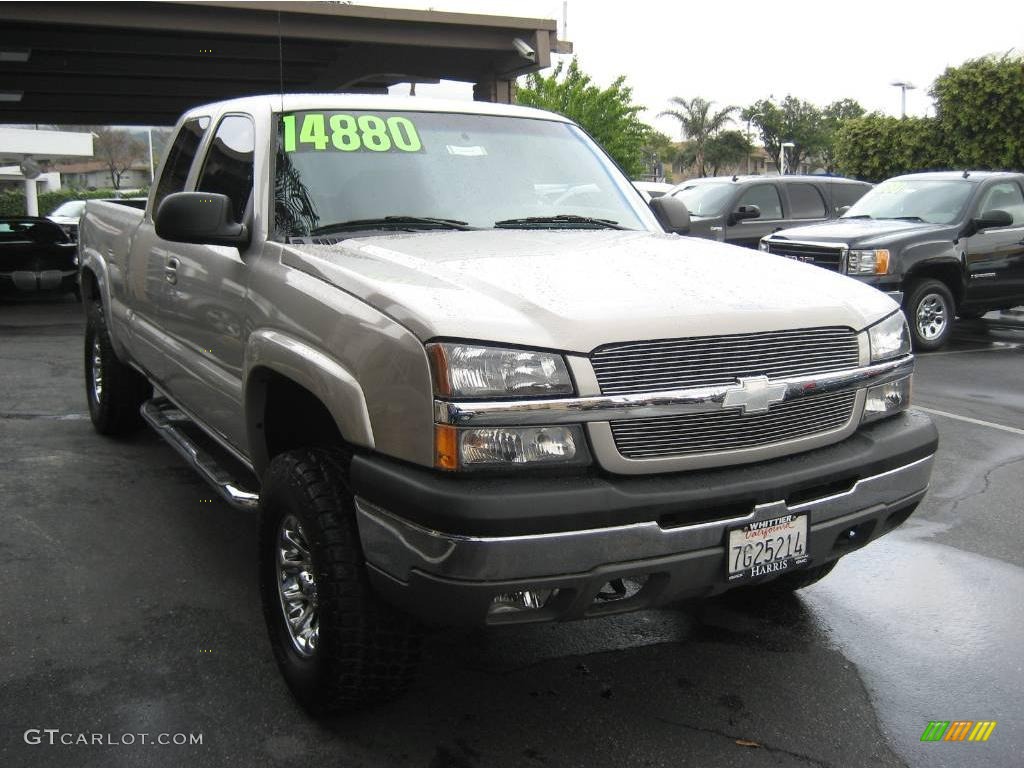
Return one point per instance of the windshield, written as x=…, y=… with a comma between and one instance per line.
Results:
x=705, y=198
x=339, y=167
x=931, y=200
x=72, y=209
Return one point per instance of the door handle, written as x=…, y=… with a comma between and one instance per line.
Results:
x=171, y=271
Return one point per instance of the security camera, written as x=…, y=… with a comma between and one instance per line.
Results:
x=524, y=49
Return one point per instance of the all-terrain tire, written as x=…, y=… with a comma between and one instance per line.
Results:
x=930, y=310
x=365, y=651
x=114, y=391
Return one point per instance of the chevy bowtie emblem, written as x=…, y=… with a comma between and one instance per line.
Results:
x=754, y=394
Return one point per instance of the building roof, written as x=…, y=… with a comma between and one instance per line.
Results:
x=145, y=63
x=93, y=166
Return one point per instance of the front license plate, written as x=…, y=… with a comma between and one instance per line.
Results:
x=767, y=546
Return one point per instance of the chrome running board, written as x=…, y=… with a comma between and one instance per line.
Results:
x=170, y=423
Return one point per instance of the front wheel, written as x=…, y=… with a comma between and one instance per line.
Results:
x=929, y=308
x=336, y=643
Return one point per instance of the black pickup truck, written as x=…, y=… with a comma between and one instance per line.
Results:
x=943, y=244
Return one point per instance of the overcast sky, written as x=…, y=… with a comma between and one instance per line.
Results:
x=739, y=51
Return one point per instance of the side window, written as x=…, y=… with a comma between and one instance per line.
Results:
x=228, y=168
x=847, y=194
x=806, y=202
x=179, y=159
x=765, y=197
x=1005, y=196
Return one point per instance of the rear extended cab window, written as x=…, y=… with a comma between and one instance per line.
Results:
x=179, y=159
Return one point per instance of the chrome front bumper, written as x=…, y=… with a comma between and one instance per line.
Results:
x=423, y=570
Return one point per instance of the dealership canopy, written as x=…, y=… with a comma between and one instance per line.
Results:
x=146, y=63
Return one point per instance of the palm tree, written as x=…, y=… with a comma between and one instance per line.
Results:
x=698, y=122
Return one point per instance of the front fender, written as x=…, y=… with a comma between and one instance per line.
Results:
x=316, y=371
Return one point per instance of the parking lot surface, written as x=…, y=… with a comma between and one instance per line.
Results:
x=129, y=606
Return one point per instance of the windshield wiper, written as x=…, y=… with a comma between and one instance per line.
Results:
x=858, y=216
x=905, y=218
x=389, y=222
x=563, y=218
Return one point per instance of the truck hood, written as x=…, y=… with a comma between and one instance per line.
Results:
x=576, y=290
x=859, y=233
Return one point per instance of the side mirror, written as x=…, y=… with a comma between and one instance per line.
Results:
x=671, y=213
x=992, y=220
x=204, y=218
x=841, y=210
x=746, y=212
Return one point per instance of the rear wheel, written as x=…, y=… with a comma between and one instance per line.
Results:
x=929, y=308
x=337, y=644
x=115, y=391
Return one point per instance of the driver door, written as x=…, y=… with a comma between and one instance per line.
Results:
x=204, y=313
x=749, y=232
x=995, y=257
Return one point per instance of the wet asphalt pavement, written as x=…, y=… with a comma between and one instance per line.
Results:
x=129, y=606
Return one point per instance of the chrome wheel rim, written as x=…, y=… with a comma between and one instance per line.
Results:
x=932, y=317
x=296, y=587
x=96, y=370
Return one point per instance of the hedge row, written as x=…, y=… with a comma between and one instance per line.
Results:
x=12, y=203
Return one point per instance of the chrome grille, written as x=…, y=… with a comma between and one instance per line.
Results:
x=732, y=430
x=702, y=361
x=828, y=257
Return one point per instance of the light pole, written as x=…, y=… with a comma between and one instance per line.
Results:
x=782, y=156
x=904, y=86
x=756, y=114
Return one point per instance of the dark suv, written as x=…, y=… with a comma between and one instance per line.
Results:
x=742, y=209
x=943, y=243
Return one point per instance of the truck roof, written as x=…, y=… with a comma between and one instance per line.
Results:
x=952, y=175
x=297, y=102
x=788, y=178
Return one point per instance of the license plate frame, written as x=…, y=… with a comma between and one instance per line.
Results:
x=784, y=537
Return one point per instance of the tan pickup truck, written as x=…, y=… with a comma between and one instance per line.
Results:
x=466, y=375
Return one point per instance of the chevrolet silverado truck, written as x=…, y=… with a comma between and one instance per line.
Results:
x=466, y=376
x=945, y=244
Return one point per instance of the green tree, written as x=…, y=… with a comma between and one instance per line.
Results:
x=876, y=147
x=794, y=121
x=834, y=117
x=659, y=148
x=728, y=148
x=978, y=124
x=980, y=107
x=699, y=124
x=607, y=114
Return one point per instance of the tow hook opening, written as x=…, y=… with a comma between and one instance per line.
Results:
x=855, y=536
x=621, y=589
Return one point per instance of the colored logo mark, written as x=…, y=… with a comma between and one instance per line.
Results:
x=958, y=730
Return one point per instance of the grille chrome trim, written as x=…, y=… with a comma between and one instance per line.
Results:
x=711, y=360
x=731, y=430
x=574, y=410
x=831, y=256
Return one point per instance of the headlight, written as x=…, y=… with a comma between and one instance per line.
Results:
x=889, y=338
x=469, y=371
x=867, y=262
x=887, y=399
x=763, y=245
